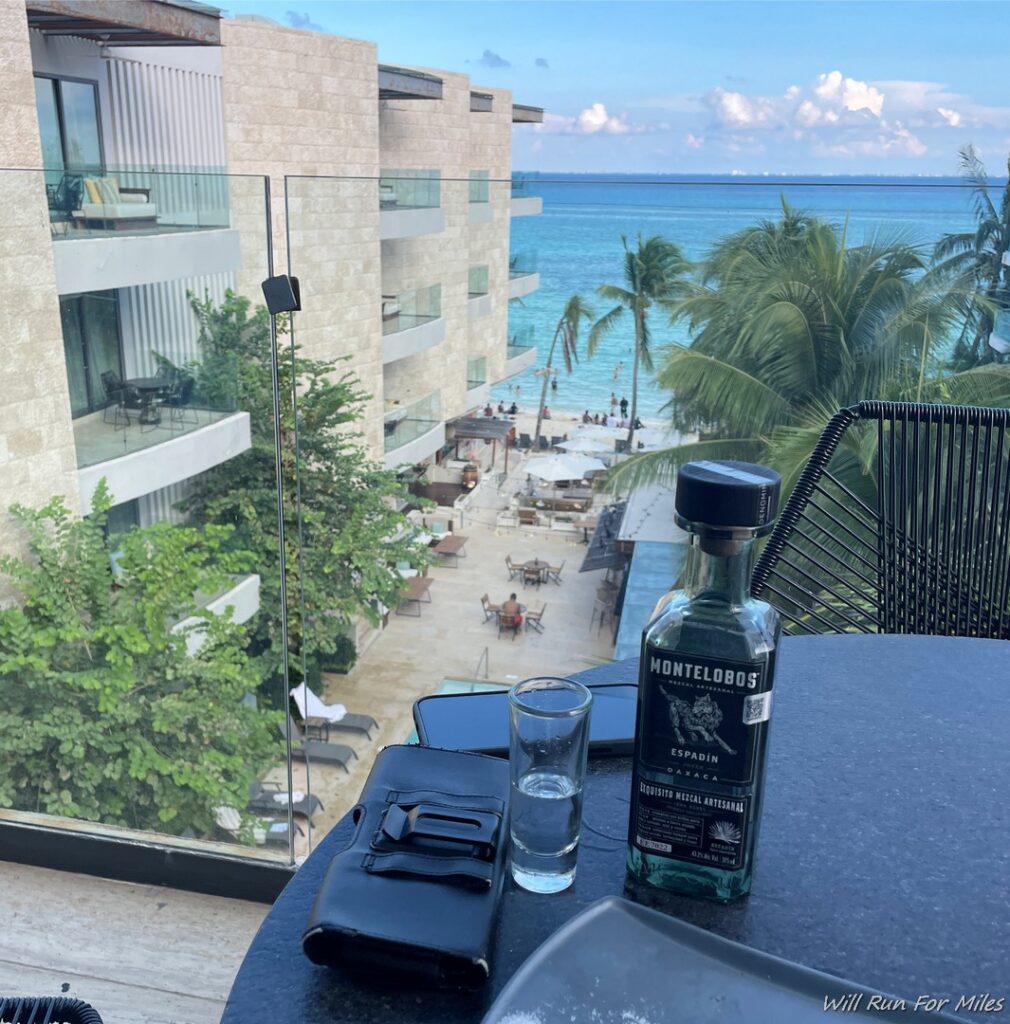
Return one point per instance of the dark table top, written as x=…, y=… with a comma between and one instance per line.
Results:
x=150, y=383
x=884, y=854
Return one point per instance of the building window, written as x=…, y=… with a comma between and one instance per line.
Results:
x=68, y=124
x=91, y=347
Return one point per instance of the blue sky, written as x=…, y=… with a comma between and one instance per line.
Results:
x=714, y=87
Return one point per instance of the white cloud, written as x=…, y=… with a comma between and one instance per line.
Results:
x=694, y=141
x=792, y=92
x=592, y=120
x=834, y=88
x=738, y=111
x=807, y=114
x=952, y=117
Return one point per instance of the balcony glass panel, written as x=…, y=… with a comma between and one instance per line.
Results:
x=476, y=372
x=407, y=421
x=477, y=281
x=523, y=263
x=405, y=189
x=115, y=201
x=409, y=309
x=480, y=187
x=520, y=341
x=523, y=185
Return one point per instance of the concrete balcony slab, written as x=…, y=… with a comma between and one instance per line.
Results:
x=410, y=222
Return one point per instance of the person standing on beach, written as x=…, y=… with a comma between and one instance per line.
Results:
x=517, y=392
x=624, y=407
x=613, y=402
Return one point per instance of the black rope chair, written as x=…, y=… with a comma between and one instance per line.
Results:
x=919, y=543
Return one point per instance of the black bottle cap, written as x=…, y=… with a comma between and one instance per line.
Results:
x=727, y=496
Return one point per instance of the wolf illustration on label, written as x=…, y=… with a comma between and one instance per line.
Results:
x=698, y=720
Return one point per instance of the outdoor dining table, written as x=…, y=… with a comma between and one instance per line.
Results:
x=884, y=855
x=536, y=567
x=150, y=414
x=452, y=547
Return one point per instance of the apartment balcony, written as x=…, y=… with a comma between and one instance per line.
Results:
x=524, y=202
x=410, y=203
x=411, y=322
x=413, y=432
x=478, y=389
x=479, y=210
x=242, y=597
x=521, y=353
x=478, y=293
x=120, y=229
x=523, y=275
x=136, y=459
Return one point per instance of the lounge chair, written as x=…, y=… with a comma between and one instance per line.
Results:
x=316, y=750
x=335, y=716
x=535, y=619
x=263, y=799
x=556, y=439
x=554, y=572
x=525, y=442
x=543, y=445
x=229, y=821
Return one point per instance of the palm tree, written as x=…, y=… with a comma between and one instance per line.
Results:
x=654, y=272
x=979, y=253
x=567, y=332
x=790, y=323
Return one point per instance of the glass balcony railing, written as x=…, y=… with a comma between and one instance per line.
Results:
x=523, y=263
x=118, y=200
x=409, y=189
x=404, y=310
x=405, y=423
x=520, y=341
x=477, y=282
x=476, y=372
x=480, y=187
x=523, y=185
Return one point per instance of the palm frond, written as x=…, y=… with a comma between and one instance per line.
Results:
x=660, y=467
x=602, y=328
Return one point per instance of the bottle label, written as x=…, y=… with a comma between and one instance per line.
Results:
x=701, y=716
x=675, y=821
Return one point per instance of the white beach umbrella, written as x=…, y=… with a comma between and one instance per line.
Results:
x=562, y=467
x=653, y=438
x=596, y=431
x=588, y=444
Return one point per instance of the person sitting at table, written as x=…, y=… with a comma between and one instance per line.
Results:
x=514, y=608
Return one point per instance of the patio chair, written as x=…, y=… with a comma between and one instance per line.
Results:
x=491, y=611
x=515, y=568
x=336, y=716
x=554, y=572
x=120, y=398
x=508, y=622
x=532, y=576
x=525, y=442
x=178, y=400
x=535, y=619
x=268, y=798
x=318, y=751
x=543, y=445
x=916, y=542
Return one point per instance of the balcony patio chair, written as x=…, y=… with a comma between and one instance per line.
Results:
x=543, y=444
x=554, y=572
x=268, y=798
x=47, y=1010
x=112, y=206
x=491, y=611
x=915, y=541
x=535, y=619
x=317, y=751
x=179, y=399
x=515, y=568
x=327, y=718
x=121, y=398
x=525, y=442
x=512, y=622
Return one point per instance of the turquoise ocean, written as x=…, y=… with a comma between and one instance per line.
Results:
x=576, y=244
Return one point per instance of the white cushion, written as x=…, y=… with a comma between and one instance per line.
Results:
x=110, y=211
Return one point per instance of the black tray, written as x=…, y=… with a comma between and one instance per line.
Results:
x=620, y=963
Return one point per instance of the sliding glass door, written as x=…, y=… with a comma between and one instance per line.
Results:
x=91, y=346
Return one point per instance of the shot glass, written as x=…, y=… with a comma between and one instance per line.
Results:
x=548, y=742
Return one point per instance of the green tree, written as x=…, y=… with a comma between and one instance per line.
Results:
x=654, y=273
x=978, y=255
x=120, y=698
x=352, y=537
x=567, y=332
x=788, y=324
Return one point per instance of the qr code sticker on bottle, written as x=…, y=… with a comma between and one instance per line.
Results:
x=757, y=708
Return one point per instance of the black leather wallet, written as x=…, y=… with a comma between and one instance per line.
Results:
x=415, y=893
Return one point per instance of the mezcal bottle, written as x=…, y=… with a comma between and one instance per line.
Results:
x=704, y=694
